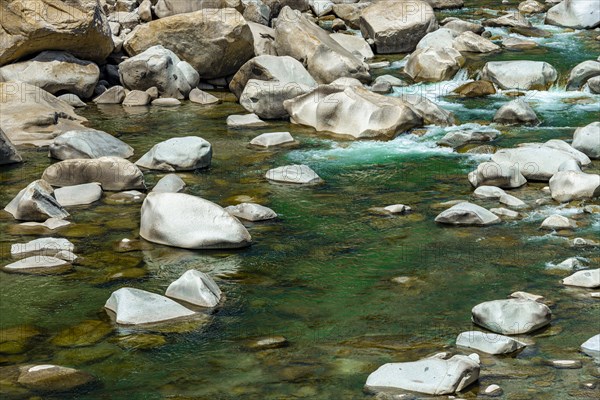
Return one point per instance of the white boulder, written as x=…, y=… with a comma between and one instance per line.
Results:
x=589, y=278
x=295, y=174
x=491, y=343
x=511, y=316
x=251, y=212
x=466, y=213
x=196, y=288
x=178, y=154
x=88, y=143
x=36, y=203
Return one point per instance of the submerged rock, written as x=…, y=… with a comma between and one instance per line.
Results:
x=36, y=203
x=490, y=343
x=397, y=26
x=43, y=247
x=50, y=378
x=295, y=174
x=251, y=212
x=113, y=173
x=88, y=143
x=83, y=334
x=178, y=154
x=135, y=307
x=524, y=75
x=196, y=288
x=467, y=214
x=587, y=279
x=181, y=220
x=460, y=138
x=38, y=265
x=512, y=316
x=430, y=376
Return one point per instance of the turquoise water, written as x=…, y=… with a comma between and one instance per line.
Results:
x=321, y=274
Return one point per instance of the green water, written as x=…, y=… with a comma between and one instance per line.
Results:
x=321, y=274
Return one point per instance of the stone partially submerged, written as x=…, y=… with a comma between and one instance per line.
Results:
x=251, y=212
x=136, y=307
x=587, y=140
x=511, y=316
x=519, y=74
x=49, y=378
x=178, y=154
x=516, y=112
x=196, y=288
x=434, y=376
x=466, y=213
x=86, y=193
x=295, y=174
x=578, y=14
x=36, y=203
x=8, y=152
x=490, y=343
x=571, y=185
x=182, y=220
x=113, y=173
x=589, y=278
x=88, y=143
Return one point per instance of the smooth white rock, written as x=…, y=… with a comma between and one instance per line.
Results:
x=251, y=212
x=79, y=194
x=296, y=174
x=42, y=246
x=196, y=288
x=466, y=213
x=491, y=343
x=512, y=316
x=272, y=139
x=589, y=278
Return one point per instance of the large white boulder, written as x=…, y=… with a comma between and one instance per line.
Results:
x=36, y=203
x=196, y=288
x=574, y=14
x=519, y=74
x=134, y=307
x=434, y=376
x=581, y=73
x=79, y=194
x=490, y=173
x=491, y=343
x=161, y=68
x=466, y=213
x=55, y=72
x=88, y=143
x=534, y=161
x=295, y=174
x=471, y=42
x=113, y=173
x=284, y=70
x=353, y=111
x=396, y=26
x=589, y=278
x=182, y=220
x=178, y=154
x=324, y=58
x=571, y=185
x=432, y=64
x=587, y=140
x=511, y=316
x=442, y=38
x=215, y=42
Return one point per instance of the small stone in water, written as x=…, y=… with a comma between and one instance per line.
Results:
x=269, y=342
x=528, y=296
x=493, y=390
x=566, y=364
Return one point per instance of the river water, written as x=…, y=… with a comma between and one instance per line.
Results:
x=321, y=274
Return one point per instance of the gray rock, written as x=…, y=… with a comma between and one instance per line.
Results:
x=200, y=97
x=72, y=99
x=557, y=222
x=505, y=213
x=272, y=139
x=295, y=174
x=354, y=44
x=430, y=376
x=113, y=173
x=137, y=98
x=516, y=112
x=8, y=152
x=587, y=279
x=433, y=65
x=392, y=80
x=45, y=247
x=512, y=316
x=88, y=143
x=524, y=75
x=244, y=121
x=531, y=7
x=442, y=38
x=512, y=201
x=55, y=72
x=170, y=183
x=467, y=214
x=512, y=19
x=86, y=193
x=196, y=288
x=181, y=220
x=135, y=307
x=566, y=186
x=36, y=203
x=397, y=26
x=114, y=95
x=503, y=175
x=50, y=378
x=251, y=212
x=581, y=73
x=178, y=154
x=587, y=140
x=575, y=14
x=594, y=84
x=266, y=98
x=325, y=59
x=161, y=68
x=473, y=43
x=264, y=39
x=460, y=138
x=490, y=343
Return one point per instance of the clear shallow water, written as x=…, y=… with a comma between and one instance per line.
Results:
x=321, y=274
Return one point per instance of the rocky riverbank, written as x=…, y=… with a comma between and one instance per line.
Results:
x=305, y=199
